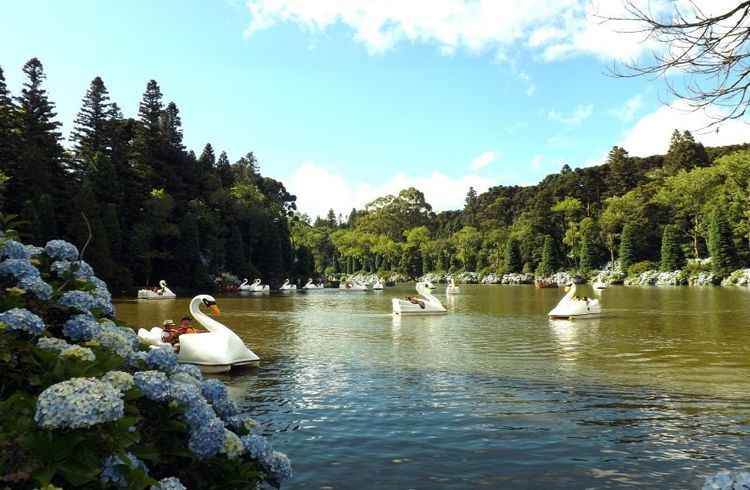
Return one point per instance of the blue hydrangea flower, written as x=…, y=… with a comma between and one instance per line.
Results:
x=22, y=320
x=52, y=344
x=18, y=269
x=11, y=249
x=171, y=483
x=78, y=403
x=214, y=390
x=60, y=267
x=82, y=270
x=258, y=448
x=81, y=328
x=112, y=472
x=153, y=384
x=37, y=287
x=186, y=394
x=162, y=359
x=115, y=340
x=61, y=250
x=207, y=440
x=33, y=251
x=100, y=286
x=105, y=307
x=80, y=300
x=127, y=332
x=191, y=370
x=240, y=423
x=179, y=377
x=78, y=353
x=233, y=446
x=137, y=359
x=120, y=380
x=280, y=467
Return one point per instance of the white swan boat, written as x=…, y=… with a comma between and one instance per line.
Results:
x=426, y=304
x=452, y=288
x=215, y=351
x=311, y=285
x=353, y=285
x=287, y=286
x=572, y=306
x=255, y=287
x=377, y=285
x=163, y=292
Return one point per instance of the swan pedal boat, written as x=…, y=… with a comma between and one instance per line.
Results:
x=427, y=304
x=377, y=285
x=311, y=285
x=255, y=287
x=451, y=288
x=353, y=286
x=216, y=351
x=287, y=286
x=163, y=293
x=571, y=306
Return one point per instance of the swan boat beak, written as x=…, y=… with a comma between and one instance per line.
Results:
x=215, y=311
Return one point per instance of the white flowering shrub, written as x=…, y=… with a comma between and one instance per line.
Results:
x=82, y=406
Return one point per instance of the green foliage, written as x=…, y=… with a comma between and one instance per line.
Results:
x=723, y=258
x=672, y=258
x=627, y=254
x=548, y=264
x=638, y=268
x=512, y=262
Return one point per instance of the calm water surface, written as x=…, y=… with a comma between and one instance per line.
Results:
x=494, y=395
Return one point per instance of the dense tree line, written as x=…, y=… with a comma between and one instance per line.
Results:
x=155, y=210
x=655, y=212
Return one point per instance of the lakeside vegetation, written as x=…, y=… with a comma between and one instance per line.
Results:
x=158, y=211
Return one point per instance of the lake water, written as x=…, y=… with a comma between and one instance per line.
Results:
x=494, y=395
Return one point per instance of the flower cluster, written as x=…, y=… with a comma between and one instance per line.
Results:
x=162, y=359
x=153, y=384
x=61, y=250
x=190, y=370
x=52, y=344
x=727, y=480
x=168, y=484
x=83, y=327
x=112, y=472
x=19, y=269
x=80, y=300
x=11, y=249
x=114, y=339
x=216, y=393
x=78, y=403
x=37, y=287
x=22, y=320
x=275, y=462
x=120, y=380
x=78, y=353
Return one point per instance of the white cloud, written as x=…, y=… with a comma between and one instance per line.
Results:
x=651, y=134
x=579, y=114
x=536, y=162
x=627, y=112
x=556, y=28
x=318, y=189
x=483, y=160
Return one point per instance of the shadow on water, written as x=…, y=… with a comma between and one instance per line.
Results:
x=495, y=395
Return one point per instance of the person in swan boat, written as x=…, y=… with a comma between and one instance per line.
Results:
x=172, y=332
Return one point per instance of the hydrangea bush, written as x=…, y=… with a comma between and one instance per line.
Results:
x=83, y=405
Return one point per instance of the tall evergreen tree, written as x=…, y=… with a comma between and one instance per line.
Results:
x=172, y=127
x=512, y=256
x=627, y=247
x=672, y=258
x=720, y=244
x=586, y=253
x=8, y=122
x=91, y=135
x=621, y=176
x=684, y=153
x=224, y=169
x=548, y=264
x=331, y=219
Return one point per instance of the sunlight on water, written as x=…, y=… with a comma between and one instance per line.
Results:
x=494, y=394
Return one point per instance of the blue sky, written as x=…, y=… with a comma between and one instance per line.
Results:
x=345, y=100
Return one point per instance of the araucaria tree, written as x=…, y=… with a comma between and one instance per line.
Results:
x=723, y=258
x=627, y=247
x=512, y=263
x=548, y=265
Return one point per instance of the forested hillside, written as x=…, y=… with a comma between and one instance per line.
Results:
x=155, y=209
x=158, y=211
x=693, y=202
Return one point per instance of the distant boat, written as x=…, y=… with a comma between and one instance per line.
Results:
x=426, y=304
x=545, y=283
x=162, y=292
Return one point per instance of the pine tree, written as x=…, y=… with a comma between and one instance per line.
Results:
x=512, y=262
x=548, y=265
x=627, y=248
x=224, y=170
x=586, y=253
x=207, y=159
x=172, y=127
x=621, y=176
x=672, y=258
x=721, y=245
x=90, y=134
x=471, y=208
x=684, y=153
x=38, y=169
x=331, y=219
x=8, y=114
